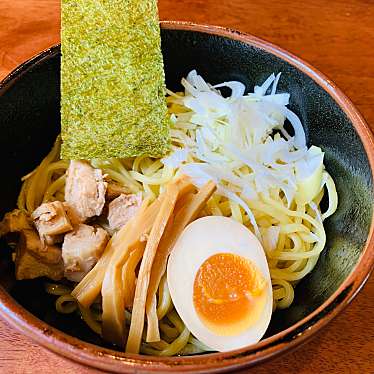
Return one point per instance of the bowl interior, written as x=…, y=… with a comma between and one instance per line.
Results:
x=30, y=120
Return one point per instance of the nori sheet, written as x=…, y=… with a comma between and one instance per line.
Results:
x=112, y=80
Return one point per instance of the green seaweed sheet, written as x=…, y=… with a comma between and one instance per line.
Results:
x=112, y=80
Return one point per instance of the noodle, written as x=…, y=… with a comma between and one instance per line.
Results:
x=57, y=289
x=87, y=316
x=164, y=299
x=175, y=347
x=66, y=304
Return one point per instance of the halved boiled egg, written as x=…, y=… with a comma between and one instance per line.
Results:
x=220, y=283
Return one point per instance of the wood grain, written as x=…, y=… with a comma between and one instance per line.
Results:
x=335, y=36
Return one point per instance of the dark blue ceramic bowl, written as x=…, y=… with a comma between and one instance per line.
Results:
x=30, y=121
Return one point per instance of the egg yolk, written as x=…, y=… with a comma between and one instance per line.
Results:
x=229, y=293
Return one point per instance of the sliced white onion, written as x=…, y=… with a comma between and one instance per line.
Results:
x=235, y=132
x=261, y=90
x=237, y=88
x=176, y=158
x=275, y=84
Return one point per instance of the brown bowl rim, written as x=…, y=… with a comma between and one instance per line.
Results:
x=296, y=334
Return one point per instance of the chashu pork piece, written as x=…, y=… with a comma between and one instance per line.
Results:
x=81, y=250
x=114, y=190
x=84, y=191
x=51, y=222
x=34, y=260
x=122, y=209
x=15, y=221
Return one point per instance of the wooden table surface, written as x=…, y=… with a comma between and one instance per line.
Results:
x=337, y=37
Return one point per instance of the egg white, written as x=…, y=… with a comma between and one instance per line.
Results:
x=200, y=240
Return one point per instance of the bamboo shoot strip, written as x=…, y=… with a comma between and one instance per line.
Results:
x=137, y=319
x=112, y=290
x=183, y=216
x=128, y=274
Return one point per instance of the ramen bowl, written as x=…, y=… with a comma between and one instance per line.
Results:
x=30, y=121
